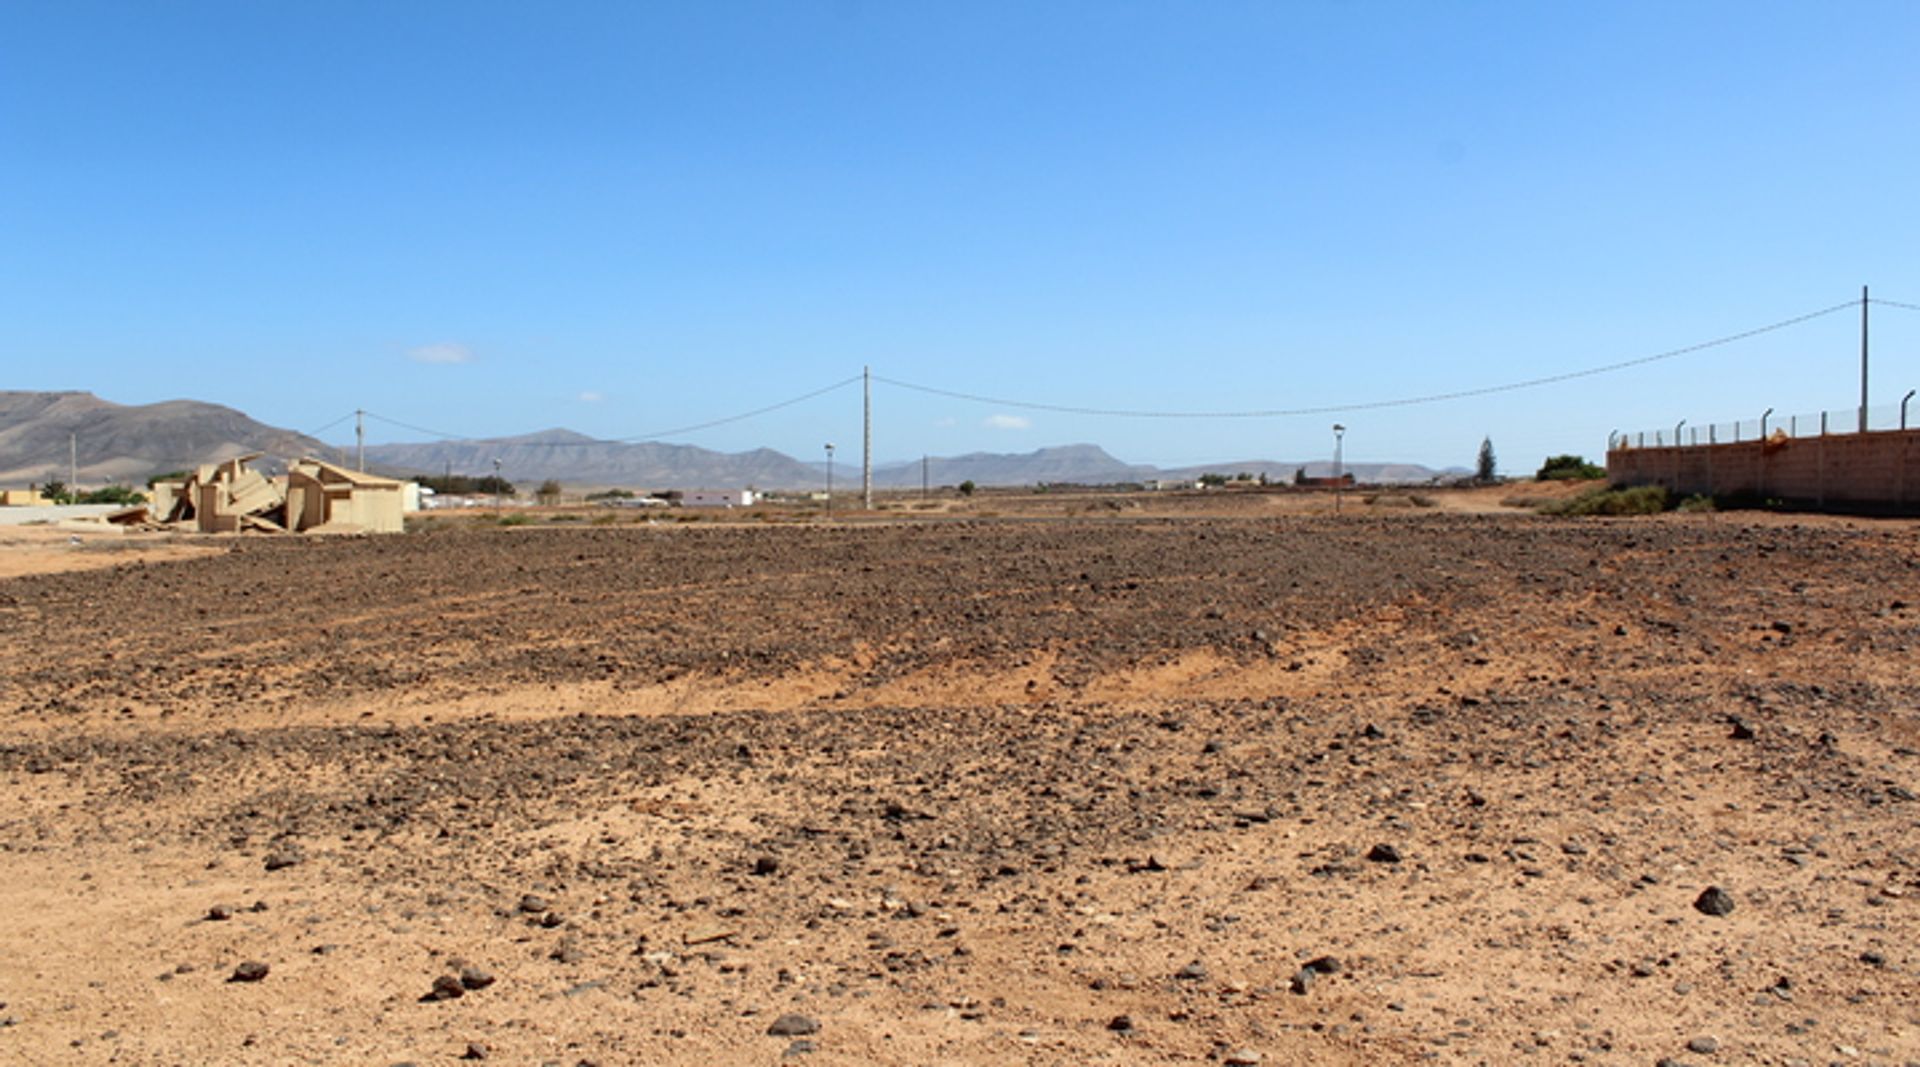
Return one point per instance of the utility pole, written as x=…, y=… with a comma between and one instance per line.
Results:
x=360, y=439
x=829, y=479
x=923, y=476
x=1863, y=359
x=1339, y=432
x=866, y=438
x=73, y=465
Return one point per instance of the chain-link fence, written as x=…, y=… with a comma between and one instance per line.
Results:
x=1901, y=416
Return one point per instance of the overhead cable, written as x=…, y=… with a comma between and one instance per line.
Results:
x=328, y=426
x=789, y=402
x=842, y=384
x=1331, y=409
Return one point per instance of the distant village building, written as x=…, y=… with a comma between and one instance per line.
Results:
x=717, y=498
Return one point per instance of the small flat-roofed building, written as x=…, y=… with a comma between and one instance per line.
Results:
x=326, y=498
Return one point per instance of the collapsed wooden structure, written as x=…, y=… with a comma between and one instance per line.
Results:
x=314, y=496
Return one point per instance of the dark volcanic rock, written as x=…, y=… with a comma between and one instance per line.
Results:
x=794, y=1025
x=1384, y=854
x=250, y=971
x=1714, y=901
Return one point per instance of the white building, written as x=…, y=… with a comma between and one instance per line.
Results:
x=717, y=498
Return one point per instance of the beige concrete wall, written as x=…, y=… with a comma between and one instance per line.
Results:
x=1859, y=470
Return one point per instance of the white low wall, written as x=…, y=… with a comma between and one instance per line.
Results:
x=54, y=513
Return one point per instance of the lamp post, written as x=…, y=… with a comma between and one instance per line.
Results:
x=829, y=479
x=1339, y=431
x=1903, y=407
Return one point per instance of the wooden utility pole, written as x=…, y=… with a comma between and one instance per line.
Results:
x=1863, y=359
x=73, y=465
x=360, y=439
x=866, y=438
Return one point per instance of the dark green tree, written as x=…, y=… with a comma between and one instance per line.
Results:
x=1484, y=469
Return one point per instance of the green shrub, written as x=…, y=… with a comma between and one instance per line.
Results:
x=114, y=494
x=1569, y=468
x=1696, y=503
x=1640, y=500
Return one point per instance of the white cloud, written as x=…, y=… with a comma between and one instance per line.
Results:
x=444, y=352
x=591, y=397
x=1008, y=422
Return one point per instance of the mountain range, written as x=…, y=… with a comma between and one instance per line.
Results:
x=42, y=435
x=129, y=443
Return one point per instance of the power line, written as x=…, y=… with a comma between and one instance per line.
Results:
x=1894, y=304
x=328, y=426
x=420, y=429
x=1330, y=409
x=654, y=435
x=842, y=384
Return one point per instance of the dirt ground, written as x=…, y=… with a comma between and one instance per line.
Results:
x=87, y=546
x=1081, y=784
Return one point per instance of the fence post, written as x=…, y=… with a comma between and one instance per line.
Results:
x=1820, y=479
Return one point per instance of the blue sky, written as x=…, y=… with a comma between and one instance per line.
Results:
x=487, y=218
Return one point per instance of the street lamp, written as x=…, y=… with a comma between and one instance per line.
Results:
x=498, y=494
x=1339, y=431
x=829, y=479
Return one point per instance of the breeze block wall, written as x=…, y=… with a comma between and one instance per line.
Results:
x=1877, y=471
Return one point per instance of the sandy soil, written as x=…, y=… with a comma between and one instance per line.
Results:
x=1405, y=785
x=77, y=546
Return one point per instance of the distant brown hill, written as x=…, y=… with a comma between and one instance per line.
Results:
x=128, y=443
x=577, y=459
x=122, y=443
